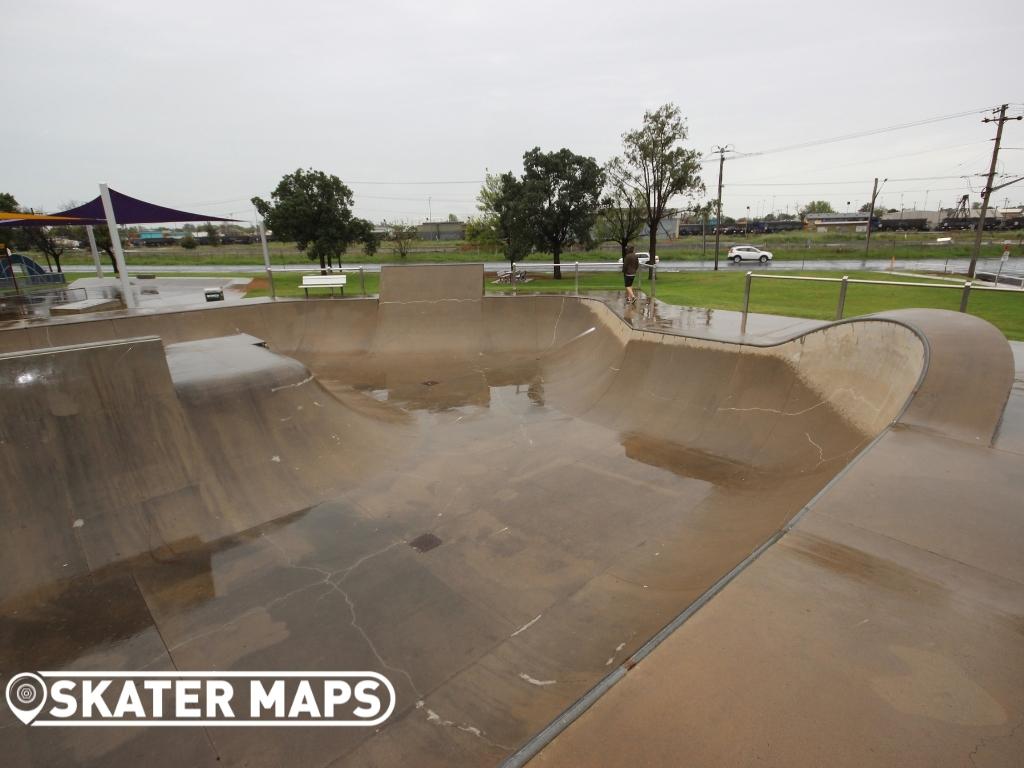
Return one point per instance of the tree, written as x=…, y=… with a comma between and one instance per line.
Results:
x=212, y=234
x=817, y=206
x=623, y=211
x=364, y=234
x=46, y=241
x=660, y=167
x=314, y=210
x=403, y=236
x=188, y=242
x=703, y=212
x=483, y=231
x=8, y=205
x=100, y=233
x=501, y=201
x=560, y=196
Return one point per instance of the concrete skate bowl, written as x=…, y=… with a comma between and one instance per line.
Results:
x=492, y=501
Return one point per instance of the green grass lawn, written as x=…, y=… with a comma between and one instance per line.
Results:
x=724, y=290
x=288, y=286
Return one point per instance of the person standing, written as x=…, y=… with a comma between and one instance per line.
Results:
x=630, y=265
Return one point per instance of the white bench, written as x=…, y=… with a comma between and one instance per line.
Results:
x=324, y=281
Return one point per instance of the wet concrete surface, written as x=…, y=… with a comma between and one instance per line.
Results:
x=492, y=502
x=884, y=629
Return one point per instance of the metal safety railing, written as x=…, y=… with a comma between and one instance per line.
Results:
x=965, y=289
x=585, y=266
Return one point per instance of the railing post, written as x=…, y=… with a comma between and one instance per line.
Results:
x=965, y=296
x=577, y=276
x=842, y=297
x=362, y=280
x=654, y=281
x=746, y=302
x=512, y=276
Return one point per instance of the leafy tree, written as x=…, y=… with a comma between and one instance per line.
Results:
x=314, y=210
x=46, y=241
x=817, y=206
x=483, y=231
x=101, y=233
x=212, y=234
x=8, y=205
x=501, y=200
x=364, y=234
x=659, y=166
x=560, y=194
x=623, y=212
x=188, y=242
x=403, y=236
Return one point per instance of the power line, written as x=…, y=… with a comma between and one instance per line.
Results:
x=861, y=134
x=852, y=181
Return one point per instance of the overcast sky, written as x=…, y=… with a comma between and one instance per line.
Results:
x=203, y=105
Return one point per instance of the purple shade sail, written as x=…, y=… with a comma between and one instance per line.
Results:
x=127, y=210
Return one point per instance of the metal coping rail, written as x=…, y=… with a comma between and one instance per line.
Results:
x=844, y=281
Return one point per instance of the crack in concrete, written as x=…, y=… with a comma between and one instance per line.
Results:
x=436, y=719
x=984, y=742
x=554, y=331
x=292, y=386
x=827, y=401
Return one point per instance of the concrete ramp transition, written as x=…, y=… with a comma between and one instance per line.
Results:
x=249, y=487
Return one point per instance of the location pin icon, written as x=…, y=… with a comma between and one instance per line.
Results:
x=26, y=696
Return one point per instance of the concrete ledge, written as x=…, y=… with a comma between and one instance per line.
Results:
x=86, y=305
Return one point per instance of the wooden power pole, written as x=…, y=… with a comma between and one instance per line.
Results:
x=718, y=221
x=979, y=231
x=871, y=215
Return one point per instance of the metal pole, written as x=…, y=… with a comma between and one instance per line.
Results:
x=512, y=276
x=115, y=241
x=965, y=296
x=577, y=275
x=746, y=302
x=842, y=297
x=654, y=281
x=10, y=265
x=362, y=279
x=95, y=251
x=266, y=260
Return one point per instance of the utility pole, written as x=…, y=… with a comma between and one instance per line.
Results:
x=718, y=222
x=871, y=215
x=980, y=229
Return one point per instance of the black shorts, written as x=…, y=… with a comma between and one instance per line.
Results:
x=628, y=279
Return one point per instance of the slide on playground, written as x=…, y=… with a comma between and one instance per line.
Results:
x=33, y=269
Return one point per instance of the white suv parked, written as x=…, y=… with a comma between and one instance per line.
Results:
x=740, y=253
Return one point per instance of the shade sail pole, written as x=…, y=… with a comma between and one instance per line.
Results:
x=266, y=260
x=94, y=249
x=115, y=241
